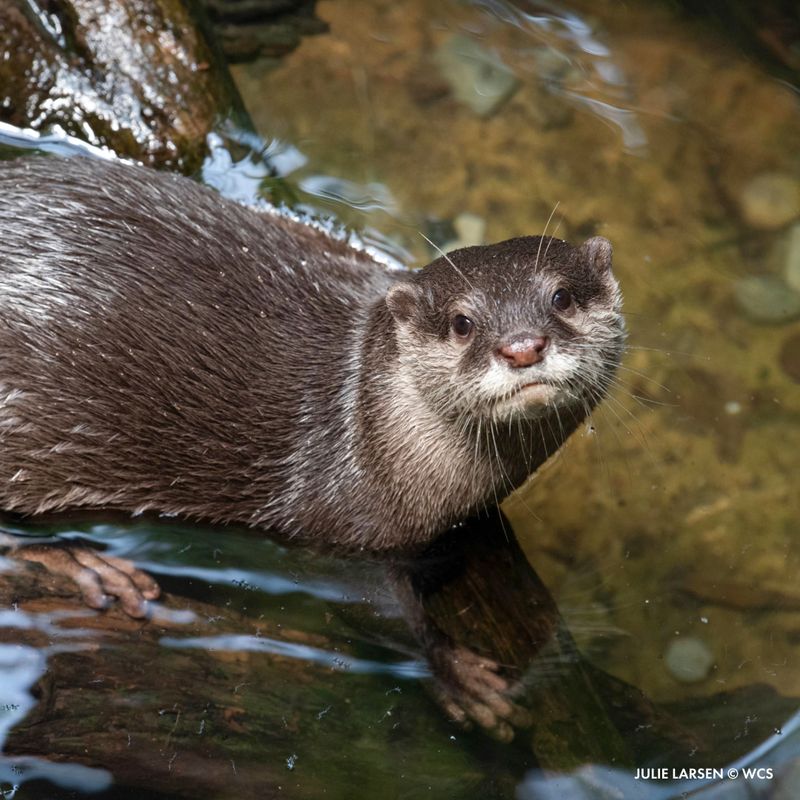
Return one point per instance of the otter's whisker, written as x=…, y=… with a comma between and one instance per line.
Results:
x=544, y=234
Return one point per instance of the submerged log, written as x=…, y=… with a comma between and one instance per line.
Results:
x=191, y=701
x=204, y=701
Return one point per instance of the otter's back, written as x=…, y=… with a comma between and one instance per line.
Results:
x=139, y=309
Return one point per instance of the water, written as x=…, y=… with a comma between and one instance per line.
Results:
x=672, y=518
x=650, y=133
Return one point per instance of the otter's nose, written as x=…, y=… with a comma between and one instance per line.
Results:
x=524, y=352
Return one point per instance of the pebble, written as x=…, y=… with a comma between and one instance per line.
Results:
x=767, y=299
x=477, y=77
x=790, y=357
x=770, y=200
x=688, y=659
x=470, y=230
x=553, y=66
x=791, y=269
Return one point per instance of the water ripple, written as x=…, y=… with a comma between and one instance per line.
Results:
x=315, y=655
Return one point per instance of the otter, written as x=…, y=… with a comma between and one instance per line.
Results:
x=164, y=349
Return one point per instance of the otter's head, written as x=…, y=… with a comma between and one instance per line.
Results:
x=511, y=329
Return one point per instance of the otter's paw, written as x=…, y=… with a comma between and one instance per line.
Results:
x=99, y=577
x=471, y=690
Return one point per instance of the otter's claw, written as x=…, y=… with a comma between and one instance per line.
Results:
x=470, y=689
x=99, y=577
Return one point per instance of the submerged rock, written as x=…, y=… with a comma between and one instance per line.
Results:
x=470, y=229
x=770, y=200
x=767, y=299
x=267, y=29
x=465, y=230
x=477, y=77
x=790, y=357
x=791, y=268
x=689, y=659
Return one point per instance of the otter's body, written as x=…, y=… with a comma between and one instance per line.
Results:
x=164, y=349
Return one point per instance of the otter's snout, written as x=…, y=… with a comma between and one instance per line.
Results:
x=524, y=351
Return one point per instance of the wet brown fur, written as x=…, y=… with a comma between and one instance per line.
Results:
x=164, y=349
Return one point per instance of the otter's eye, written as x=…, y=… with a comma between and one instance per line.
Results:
x=562, y=300
x=462, y=326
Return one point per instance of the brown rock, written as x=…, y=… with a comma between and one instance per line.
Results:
x=770, y=200
x=138, y=77
x=790, y=357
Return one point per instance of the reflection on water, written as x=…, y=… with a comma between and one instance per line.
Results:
x=55, y=143
x=312, y=655
x=21, y=667
x=572, y=62
x=667, y=530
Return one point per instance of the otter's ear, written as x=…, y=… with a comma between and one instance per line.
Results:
x=596, y=252
x=402, y=300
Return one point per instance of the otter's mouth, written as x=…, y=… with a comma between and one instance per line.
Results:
x=534, y=390
x=531, y=394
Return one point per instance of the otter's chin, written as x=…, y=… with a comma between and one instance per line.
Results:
x=529, y=400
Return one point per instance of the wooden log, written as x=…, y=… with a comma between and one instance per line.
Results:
x=204, y=700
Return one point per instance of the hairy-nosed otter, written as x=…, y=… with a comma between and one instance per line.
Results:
x=162, y=348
